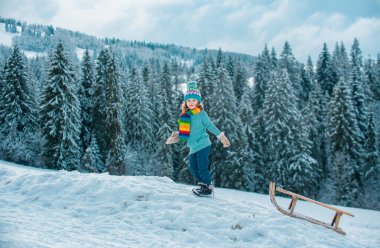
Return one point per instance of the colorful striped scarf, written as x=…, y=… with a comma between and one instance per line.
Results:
x=184, y=123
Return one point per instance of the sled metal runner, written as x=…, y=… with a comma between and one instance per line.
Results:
x=290, y=211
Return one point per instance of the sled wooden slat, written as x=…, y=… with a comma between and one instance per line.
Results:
x=313, y=201
x=290, y=212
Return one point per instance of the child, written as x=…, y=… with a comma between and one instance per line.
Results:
x=193, y=123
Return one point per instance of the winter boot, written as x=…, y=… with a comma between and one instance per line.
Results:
x=204, y=190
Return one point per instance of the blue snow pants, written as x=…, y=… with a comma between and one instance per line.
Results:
x=199, y=165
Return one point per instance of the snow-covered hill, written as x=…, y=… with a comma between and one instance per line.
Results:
x=6, y=37
x=42, y=208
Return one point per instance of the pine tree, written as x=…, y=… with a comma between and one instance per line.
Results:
x=273, y=59
x=99, y=100
x=290, y=64
x=148, y=78
x=2, y=81
x=372, y=80
x=370, y=196
x=206, y=83
x=357, y=88
x=226, y=167
x=60, y=114
x=91, y=161
x=303, y=168
x=86, y=92
x=250, y=178
x=138, y=114
x=165, y=153
x=345, y=144
x=326, y=74
x=262, y=75
x=115, y=160
x=341, y=62
x=280, y=117
x=230, y=66
x=314, y=118
x=239, y=81
x=306, y=84
x=371, y=158
x=220, y=59
x=344, y=176
x=19, y=131
x=377, y=76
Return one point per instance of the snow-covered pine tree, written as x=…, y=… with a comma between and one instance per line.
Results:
x=99, y=101
x=290, y=64
x=306, y=84
x=377, y=76
x=91, y=161
x=273, y=59
x=310, y=69
x=371, y=158
x=314, y=119
x=206, y=83
x=2, y=80
x=359, y=99
x=346, y=145
x=346, y=186
x=60, y=114
x=326, y=74
x=37, y=66
x=250, y=179
x=341, y=62
x=371, y=182
x=239, y=80
x=230, y=66
x=303, y=168
x=115, y=161
x=139, y=133
x=220, y=59
x=280, y=119
x=372, y=80
x=19, y=130
x=259, y=149
x=167, y=87
x=149, y=78
x=226, y=166
x=86, y=91
x=166, y=117
x=262, y=74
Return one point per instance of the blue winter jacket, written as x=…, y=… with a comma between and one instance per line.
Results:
x=198, y=136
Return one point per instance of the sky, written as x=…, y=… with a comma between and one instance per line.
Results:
x=233, y=25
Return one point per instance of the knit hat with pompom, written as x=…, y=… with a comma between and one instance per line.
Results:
x=192, y=91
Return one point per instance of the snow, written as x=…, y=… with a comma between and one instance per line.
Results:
x=44, y=208
x=30, y=54
x=6, y=37
x=80, y=52
x=182, y=87
x=251, y=82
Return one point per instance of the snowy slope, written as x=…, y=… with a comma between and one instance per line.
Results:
x=6, y=37
x=42, y=208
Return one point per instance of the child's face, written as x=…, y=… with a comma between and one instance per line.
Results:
x=191, y=103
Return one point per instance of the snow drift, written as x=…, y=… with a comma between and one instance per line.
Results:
x=43, y=208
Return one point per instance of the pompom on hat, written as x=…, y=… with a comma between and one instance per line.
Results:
x=193, y=91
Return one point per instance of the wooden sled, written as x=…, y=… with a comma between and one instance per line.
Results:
x=290, y=212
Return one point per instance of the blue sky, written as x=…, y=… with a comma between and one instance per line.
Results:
x=233, y=25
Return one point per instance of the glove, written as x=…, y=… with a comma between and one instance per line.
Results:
x=224, y=140
x=173, y=138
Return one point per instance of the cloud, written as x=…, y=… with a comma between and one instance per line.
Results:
x=242, y=26
x=38, y=10
x=308, y=38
